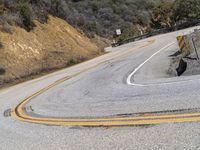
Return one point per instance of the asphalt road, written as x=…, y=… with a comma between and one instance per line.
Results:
x=130, y=79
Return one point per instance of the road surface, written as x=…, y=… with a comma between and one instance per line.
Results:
x=121, y=100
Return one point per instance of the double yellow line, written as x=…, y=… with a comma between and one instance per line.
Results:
x=143, y=119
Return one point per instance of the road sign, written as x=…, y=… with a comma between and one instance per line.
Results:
x=181, y=42
x=118, y=32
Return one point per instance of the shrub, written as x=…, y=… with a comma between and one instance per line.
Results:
x=6, y=28
x=1, y=45
x=128, y=32
x=26, y=13
x=2, y=71
x=92, y=16
x=162, y=15
x=186, y=10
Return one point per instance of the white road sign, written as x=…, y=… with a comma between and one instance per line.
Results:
x=118, y=32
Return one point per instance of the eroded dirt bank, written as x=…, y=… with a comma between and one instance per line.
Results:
x=47, y=47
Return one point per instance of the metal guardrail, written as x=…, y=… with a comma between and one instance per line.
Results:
x=159, y=31
x=190, y=43
x=189, y=49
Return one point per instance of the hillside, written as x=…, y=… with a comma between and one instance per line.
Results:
x=101, y=17
x=48, y=46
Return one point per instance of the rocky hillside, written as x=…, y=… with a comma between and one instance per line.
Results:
x=48, y=46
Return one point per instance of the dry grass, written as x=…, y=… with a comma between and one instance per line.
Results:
x=48, y=47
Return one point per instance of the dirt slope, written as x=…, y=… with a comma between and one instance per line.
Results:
x=49, y=46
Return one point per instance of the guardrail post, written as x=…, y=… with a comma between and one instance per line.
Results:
x=194, y=45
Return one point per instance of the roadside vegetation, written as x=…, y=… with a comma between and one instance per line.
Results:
x=103, y=17
x=170, y=13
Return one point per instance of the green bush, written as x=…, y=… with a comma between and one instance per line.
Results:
x=186, y=9
x=26, y=14
x=24, y=10
x=162, y=15
x=128, y=33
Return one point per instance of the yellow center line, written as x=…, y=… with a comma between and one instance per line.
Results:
x=110, y=123
x=19, y=114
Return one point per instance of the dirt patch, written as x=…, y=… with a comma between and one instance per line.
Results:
x=101, y=42
x=48, y=47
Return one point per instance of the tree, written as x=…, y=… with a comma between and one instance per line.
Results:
x=162, y=15
x=186, y=9
x=26, y=13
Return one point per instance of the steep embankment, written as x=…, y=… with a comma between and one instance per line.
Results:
x=48, y=46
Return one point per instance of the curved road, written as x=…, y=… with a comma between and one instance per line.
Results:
x=121, y=100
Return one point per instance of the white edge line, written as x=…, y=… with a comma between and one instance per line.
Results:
x=128, y=81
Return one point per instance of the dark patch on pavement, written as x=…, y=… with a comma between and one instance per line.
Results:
x=28, y=109
x=7, y=113
x=177, y=111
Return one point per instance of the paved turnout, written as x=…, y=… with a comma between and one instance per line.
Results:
x=121, y=100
